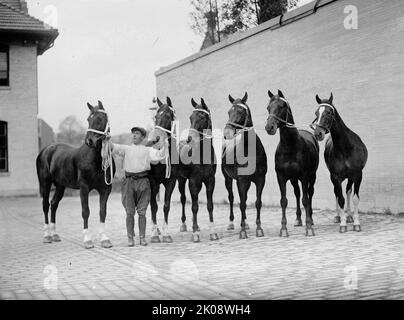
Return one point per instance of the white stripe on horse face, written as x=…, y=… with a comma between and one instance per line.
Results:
x=320, y=110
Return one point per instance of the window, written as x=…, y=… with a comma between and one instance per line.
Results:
x=3, y=147
x=4, y=66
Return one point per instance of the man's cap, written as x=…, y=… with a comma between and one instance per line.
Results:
x=140, y=129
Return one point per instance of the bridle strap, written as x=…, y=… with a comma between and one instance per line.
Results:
x=243, y=127
x=288, y=124
x=205, y=135
x=107, y=126
x=314, y=124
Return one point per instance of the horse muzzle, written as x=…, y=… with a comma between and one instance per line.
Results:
x=319, y=133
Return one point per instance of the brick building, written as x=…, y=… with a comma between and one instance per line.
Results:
x=305, y=52
x=22, y=39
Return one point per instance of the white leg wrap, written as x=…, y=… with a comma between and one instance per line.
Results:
x=46, y=231
x=343, y=216
x=154, y=230
x=87, y=236
x=52, y=229
x=103, y=235
x=165, y=229
x=212, y=227
x=355, y=201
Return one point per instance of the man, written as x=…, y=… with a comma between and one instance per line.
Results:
x=136, y=186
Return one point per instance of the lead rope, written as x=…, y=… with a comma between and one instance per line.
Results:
x=106, y=154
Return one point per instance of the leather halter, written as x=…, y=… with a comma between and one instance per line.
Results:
x=328, y=120
x=286, y=122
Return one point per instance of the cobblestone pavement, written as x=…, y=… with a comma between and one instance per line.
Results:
x=366, y=265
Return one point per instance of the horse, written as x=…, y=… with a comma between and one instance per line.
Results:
x=84, y=168
x=296, y=159
x=239, y=133
x=201, y=168
x=163, y=173
x=345, y=155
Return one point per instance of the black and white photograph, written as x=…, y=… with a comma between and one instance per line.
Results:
x=201, y=151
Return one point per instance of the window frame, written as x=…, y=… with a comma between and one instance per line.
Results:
x=6, y=169
x=6, y=49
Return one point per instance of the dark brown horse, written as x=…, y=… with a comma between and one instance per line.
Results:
x=244, y=160
x=345, y=155
x=81, y=168
x=198, y=166
x=166, y=172
x=296, y=159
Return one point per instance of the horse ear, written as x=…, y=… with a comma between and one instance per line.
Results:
x=203, y=103
x=169, y=102
x=270, y=94
x=90, y=107
x=100, y=104
x=159, y=102
x=231, y=99
x=280, y=93
x=331, y=98
x=194, y=104
x=318, y=99
x=244, y=100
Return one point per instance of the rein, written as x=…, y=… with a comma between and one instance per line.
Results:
x=106, y=151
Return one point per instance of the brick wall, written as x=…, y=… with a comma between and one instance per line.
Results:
x=19, y=107
x=364, y=68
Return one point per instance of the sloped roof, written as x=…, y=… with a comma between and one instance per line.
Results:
x=14, y=20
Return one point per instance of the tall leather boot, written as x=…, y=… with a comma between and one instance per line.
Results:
x=142, y=230
x=130, y=227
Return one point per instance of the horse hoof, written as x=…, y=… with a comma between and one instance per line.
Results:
x=88, y=244
x=298, y=223
x=349, y=219
x=357, y=228
x=214, y=237
x=243, y=235
x=231, y=226
x=47, y=239
x=106, y=244
x=343, y=229
x=260, y=233
x=284, y=233
x=56, y=238
x=310, y=232
x=183, y=228
x=196, y=238
x=155, y=239
x=167, y=239
x=247, y=227
x=337, y=219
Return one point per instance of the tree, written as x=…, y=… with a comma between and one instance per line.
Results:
x=71, y=131
x=216, y=22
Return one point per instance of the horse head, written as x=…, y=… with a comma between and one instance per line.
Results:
x=163, y=121
x=239, y=117
x=279, y=113
x=201, y=121
x=324, y=117
x=98, y=125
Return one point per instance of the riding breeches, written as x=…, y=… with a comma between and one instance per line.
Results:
x=136, y=194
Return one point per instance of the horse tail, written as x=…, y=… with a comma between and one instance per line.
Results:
x=42, y=170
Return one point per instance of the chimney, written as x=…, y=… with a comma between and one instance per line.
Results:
x=24, y=6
